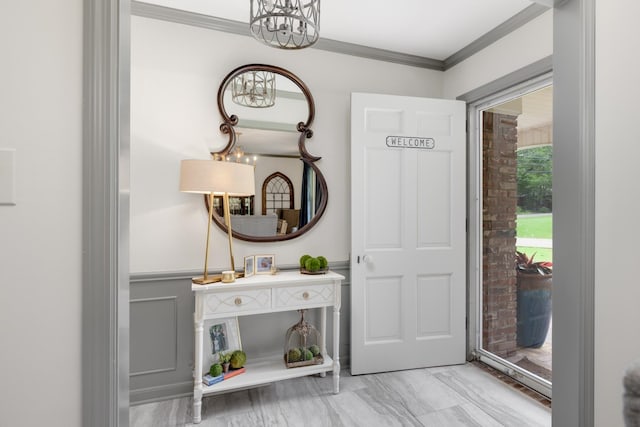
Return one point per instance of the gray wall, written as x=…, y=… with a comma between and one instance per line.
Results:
x=161, y=345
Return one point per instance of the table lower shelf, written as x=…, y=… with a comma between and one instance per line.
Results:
x=265, y=371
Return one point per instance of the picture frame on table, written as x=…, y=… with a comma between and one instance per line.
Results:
x=221, y=335
x=264, y=264
x=249, y=266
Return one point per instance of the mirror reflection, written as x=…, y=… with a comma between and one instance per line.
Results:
x=283, y=204
x=291, y=192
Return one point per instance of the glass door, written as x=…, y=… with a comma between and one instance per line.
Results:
x=514, y=242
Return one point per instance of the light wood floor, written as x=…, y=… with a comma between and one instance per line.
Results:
x=463, y=395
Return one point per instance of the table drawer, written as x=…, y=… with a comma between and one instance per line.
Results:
x=237, y=301
x=304, y=295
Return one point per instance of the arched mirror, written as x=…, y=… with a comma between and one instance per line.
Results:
x=267, y=113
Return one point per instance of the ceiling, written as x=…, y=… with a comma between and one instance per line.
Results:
x=433, y=29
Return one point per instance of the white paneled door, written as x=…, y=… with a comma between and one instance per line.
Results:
x=408, y=220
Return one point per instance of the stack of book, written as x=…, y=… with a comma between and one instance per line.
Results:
x=209, y=380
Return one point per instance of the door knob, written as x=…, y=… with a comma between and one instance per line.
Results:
x=367, y=259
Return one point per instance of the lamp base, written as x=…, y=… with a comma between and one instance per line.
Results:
x=231, y=276
x=214, y=278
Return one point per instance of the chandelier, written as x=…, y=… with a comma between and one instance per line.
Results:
x=237, y=154
x=285, y=24
x=255, y=89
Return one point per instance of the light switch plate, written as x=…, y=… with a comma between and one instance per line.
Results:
x=7, y=176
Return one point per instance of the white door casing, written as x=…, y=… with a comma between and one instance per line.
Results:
x=408, y=220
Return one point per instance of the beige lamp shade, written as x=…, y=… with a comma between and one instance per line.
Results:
x=217, y=177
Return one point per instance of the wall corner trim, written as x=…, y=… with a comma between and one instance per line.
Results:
x=574, y=206
x=105, y=214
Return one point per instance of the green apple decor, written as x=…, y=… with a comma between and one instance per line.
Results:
x=215, y=370
x=315, y=350
x=313, y=265
x=294, y=355
x=323, y=262
x=308, y=355
x=303, y=260
x=238, y=359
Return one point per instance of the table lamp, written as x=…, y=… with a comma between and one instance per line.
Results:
x=217, y=177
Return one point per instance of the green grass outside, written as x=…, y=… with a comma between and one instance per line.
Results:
x=538, y=226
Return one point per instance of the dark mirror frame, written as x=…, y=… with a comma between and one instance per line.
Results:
x=228, y=127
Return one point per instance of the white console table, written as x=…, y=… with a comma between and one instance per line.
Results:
x=285, y=291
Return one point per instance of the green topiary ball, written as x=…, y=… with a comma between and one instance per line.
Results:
x=215, y=370
x=294, y=355
x=315, y=350
x=238, y=359
x=303, y=260
x=312, y=264
x=308, y=355
x=323, y=262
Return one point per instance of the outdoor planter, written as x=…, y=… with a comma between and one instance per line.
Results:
x=534, y=308
x=534, y=280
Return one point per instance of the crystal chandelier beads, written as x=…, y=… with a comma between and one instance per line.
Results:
x=285, y=24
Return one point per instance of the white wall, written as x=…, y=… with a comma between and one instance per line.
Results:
x=40, y=237
x=176, y=71
x=617, y=320
x=526, y=45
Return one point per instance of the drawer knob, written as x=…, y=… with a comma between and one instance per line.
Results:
x=305, y=295
x=238, y=301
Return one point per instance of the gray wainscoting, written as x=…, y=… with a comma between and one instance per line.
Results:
x=161, y=344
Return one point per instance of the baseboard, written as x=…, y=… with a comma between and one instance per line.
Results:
x=159, y=393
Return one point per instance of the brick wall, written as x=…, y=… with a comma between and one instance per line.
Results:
x=499, y=233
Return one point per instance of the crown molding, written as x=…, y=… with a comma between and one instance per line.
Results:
x=379, y=54
x=241, y=28
x=508, y=26
x=178, y=16
x=163, y=13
